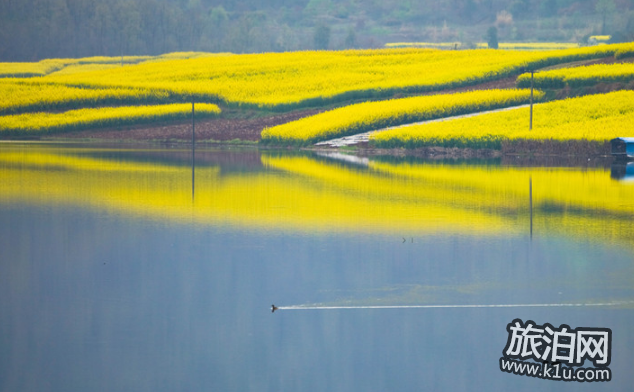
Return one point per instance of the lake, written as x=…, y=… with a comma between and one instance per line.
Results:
x=129, y=269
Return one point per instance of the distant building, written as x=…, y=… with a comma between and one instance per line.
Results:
x=623, y=147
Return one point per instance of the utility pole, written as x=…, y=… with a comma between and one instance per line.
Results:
x=530, y=198
x=193, y=123
x=193, y=148
x=530, y=125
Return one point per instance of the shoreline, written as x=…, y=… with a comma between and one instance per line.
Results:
x=246, y=132
x=573, y=149
x=523, y=150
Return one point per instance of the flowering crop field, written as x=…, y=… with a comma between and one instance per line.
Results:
x=49, y=66
x=285, y=81
x=579, y=76
x=600, y=38
x=369, y=116
x=30, y=95
x=270, y=81
x=594, y=118
x=38, y=123
x=78, y=68
x=27, y=70
x=68, y=66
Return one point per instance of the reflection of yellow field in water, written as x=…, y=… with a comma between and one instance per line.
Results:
x=581, y=202
x=304, y=194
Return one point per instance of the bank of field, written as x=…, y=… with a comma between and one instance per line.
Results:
x=50, y=66
x=287, y=81
x=33, y=124
x=484, y=45
x=580, y=76
x=85, y=64
x=28, y=70
x=594, y=118
x=370, y=116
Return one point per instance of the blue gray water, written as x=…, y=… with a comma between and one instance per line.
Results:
x=94, y=297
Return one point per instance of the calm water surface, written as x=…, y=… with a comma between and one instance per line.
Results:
x=123, y=270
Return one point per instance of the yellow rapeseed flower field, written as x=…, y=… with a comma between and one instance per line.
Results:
x=28, y=95
x=270, y=81
x=21, y=70
x=284, y=81
x=78, y=68
x=369, y=116
x=599, y=38
x=20, y=95
x=49, y=66
x=580, y=76
x=68, y=66
x=593, y=118
x=38, y=123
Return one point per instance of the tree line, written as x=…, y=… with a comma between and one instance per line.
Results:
x=31, y=30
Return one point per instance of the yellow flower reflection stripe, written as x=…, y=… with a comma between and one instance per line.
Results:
x=609, y=212
x=315, y=195
x=69, y=162
x=260, y=200
x=594, y=190
x=370, y=184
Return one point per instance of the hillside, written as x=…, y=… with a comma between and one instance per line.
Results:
x=32, y=30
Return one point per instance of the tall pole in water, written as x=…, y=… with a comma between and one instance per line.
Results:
x=193, y=146
x=530, y=126
x=530, y=197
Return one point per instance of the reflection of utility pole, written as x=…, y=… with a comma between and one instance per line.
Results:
x=530, y=126
x=530, y=201
x=193, y=147
x=193, y=170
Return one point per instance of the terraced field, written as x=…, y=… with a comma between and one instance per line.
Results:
x=256, y=84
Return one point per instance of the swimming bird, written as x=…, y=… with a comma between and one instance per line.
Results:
x=273, y=308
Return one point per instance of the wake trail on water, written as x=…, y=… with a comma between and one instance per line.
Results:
x=559, y=305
